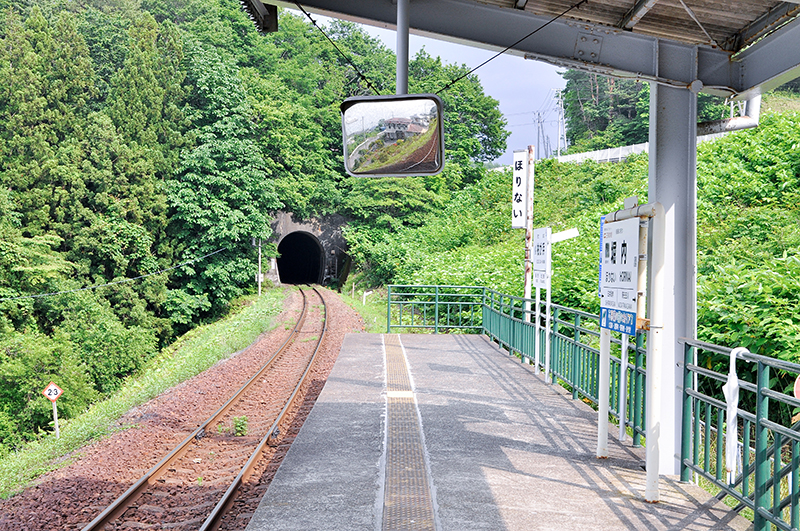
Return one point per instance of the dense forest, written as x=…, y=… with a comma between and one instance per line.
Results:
x=151, y=140
x=144, y=142
x=602, y=112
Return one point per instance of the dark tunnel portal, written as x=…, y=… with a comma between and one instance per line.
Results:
x=300, y=259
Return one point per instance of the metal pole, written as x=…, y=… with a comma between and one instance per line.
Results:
x=402, y=47
x=55, y=419
x=603, y=392
x=761, y=487
x=686, y=431
x=623, y=387
x=547, y=375
x=536, y=347
x=576, y=335
x=655, y=356
x=260, y=276
x=388, y=309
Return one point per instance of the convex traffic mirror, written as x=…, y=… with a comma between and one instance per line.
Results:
x=393, y=135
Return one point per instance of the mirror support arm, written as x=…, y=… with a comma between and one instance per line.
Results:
x=402, y=47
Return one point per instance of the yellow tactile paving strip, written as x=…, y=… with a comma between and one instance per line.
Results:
x=407, y=502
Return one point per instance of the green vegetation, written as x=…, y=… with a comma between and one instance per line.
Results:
x=192, y=354
x=370, y=303
x=396, y=152
x=748, y=235
x=137, y=135
x=603, y=112
x=239, y=426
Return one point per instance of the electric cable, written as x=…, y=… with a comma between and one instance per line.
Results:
x=360, y=75
x=498, y=54
x=123, y=281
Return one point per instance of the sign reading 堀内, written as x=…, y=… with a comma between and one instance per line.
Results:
x=619, y=266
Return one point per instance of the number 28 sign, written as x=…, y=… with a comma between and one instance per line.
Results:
x=52, y=392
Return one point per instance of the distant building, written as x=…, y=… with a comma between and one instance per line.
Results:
x=401, y=128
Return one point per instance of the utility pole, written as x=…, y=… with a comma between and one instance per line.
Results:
x=562, y=126
x=560, y=113
x=259, y=277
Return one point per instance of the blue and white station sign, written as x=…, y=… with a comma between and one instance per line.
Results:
x=619, y=266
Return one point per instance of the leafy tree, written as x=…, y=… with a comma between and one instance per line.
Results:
x=602, y=112
x=47, y=78
x=220, y=197
x=474, y=127
x=28, y=362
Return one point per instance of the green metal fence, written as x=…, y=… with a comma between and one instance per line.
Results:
x=510, y=321
x=435, y=308
x=767, y=482
x=768, y=439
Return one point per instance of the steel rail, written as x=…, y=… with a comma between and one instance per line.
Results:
x=121, y=504
x=214, y=519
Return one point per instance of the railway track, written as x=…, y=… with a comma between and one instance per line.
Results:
x=195, y=486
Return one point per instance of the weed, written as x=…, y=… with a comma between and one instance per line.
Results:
x=240, y=426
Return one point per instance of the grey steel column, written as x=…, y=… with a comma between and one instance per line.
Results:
x=402, y=47
x=673, y=183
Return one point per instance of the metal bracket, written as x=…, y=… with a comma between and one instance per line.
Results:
x=587, y=47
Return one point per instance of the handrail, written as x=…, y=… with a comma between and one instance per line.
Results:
x=574, y=362
x=765, y=484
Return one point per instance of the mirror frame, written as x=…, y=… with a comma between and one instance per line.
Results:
x=350, y=102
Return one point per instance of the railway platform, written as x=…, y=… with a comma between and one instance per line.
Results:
x=448, y=432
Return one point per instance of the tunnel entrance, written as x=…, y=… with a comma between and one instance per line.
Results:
x=300, y=260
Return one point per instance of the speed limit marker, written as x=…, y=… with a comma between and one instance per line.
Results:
x=52, y=392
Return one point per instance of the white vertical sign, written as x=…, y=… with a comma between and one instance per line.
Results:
x=519, y=190
x=541, y=258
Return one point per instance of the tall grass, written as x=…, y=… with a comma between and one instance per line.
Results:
x=193, y=353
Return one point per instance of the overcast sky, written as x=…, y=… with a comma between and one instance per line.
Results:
x=522, y=87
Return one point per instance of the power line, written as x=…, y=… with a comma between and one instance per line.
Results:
x=360, y=75
x=123, y=281
x=498, y=54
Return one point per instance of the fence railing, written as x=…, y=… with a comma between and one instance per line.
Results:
x=767, y=481
x=510, y=321
x=767, y=437
x=435, y=308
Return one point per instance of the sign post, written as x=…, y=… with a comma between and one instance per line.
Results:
x=541, y=280
x=625, y=283
x=619, y=260
x=522, y=214
x=544, y=239
x=259, y=276
x=52, y=392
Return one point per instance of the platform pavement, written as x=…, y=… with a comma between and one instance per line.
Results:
x=506, y=451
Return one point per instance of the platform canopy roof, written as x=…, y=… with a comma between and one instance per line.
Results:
x=742, y=47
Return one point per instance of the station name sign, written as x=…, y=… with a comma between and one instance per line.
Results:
x=619, y=272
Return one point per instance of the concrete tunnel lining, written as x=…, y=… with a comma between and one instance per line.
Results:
x=301, y=259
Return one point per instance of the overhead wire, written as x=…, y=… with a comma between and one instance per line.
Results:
x=459, y=78
x=358, y=71
x=498, y=54
x=123, y=281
